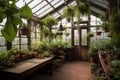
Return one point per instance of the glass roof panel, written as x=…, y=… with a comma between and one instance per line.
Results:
x=55, y=14
x=100, y=3
x=20, y=3
x=55, y=2
x=58, y=4
x=97, y=10
x=44, y=13
x=34, y=2
x=73, y=3
x=43, y=9
x=40, y=6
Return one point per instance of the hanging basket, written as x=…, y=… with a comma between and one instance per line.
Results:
x=24, y=31
x=59, y=33
x=67, y=34
x=98, y=33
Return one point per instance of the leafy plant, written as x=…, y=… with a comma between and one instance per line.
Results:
x=114, y=22
x=115, y=64
x=90, y=34
x=84, y=8
x=49, y=21
x=7, y=58
x=68, y=12
x=10, y=12
x=105, y=24
x=103, y=77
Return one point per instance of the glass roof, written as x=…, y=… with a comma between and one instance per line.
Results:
x=41, y=8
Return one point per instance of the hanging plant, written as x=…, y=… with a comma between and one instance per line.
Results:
x=24, y=30
x=67, y=33
x=10, y=11
x=68, y=12
x=59, y=33
x=104, y=25
x=84, y=8
x=90, y=34
x=98, y=31
x=49, y=21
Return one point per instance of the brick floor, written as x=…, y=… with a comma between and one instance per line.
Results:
x=76, y=70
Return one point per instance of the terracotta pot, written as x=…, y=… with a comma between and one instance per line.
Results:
x=98, y=33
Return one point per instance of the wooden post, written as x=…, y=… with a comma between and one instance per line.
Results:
x=72, y=32
x=29, y=36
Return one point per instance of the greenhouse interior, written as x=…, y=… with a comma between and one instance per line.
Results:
x=60, y=39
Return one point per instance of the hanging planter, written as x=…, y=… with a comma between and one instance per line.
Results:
x=98, y=33
x=59, y=33
x=67, y=34
x=90, y=34
x=104, y=25
x=25, y=31
x=68, y=12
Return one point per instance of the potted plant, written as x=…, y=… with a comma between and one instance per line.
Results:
x=59, y=32
x=49, y=21
x=67, y=33
x=98, y=31
x=24, y=30
x=83, y=8
x=68, y=12
x=90, y=34
x=104, y=25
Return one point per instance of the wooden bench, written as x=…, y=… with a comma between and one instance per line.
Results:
x=25, y=68
x=104, y=66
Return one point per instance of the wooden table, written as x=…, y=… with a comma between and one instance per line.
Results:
x=25, y=68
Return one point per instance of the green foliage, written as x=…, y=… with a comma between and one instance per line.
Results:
x=9, y=31
x=68, y=12
x=116, y=76
x=26, y=12
x=7, y=58
x=90, y=34
x=115, y=41
x=114, y=22
x=105, y=24
x=49, y=21
x=96, y=45
x=115, y=64
x=9, y=10
x=102, y=77
x=84, y=8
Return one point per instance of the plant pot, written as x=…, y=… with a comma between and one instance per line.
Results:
x=24, y=31
x=59, y=33
x=98, y=33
